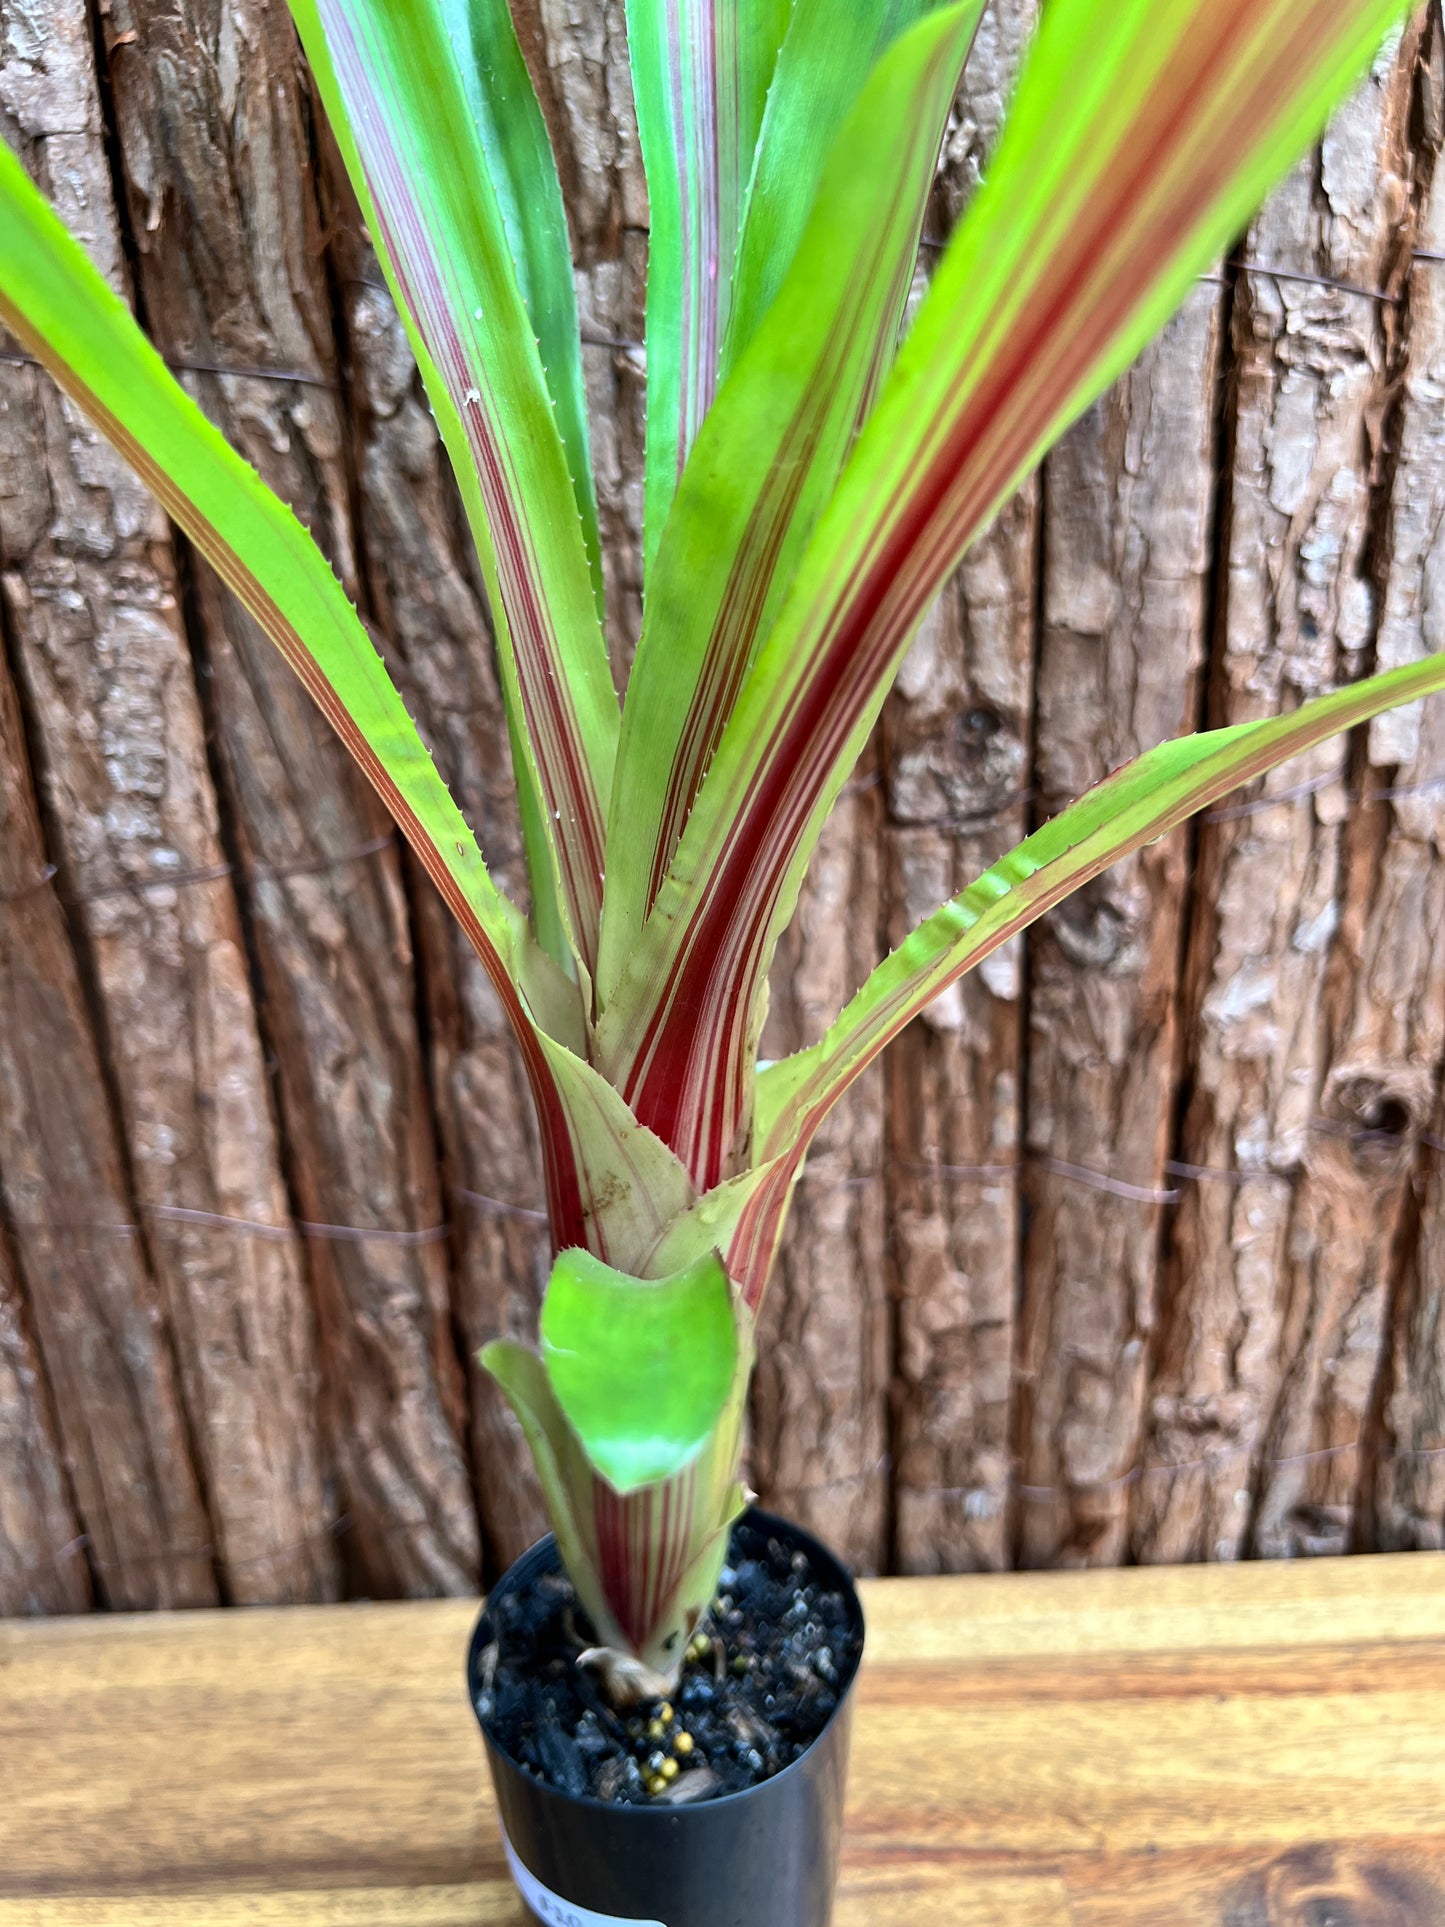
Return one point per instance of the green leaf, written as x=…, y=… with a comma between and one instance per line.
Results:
x=769, y=454
x=513, y=136
x=826, y=58
x=742, y=1218
x=550, y=922
x=642, y=1369
x=644, y=1559
x=630, y=1185
x=566, y=1478
x=1143, y=134
x=414, y=137
x=700, y=75
x=1138, y=804
x=62, y=310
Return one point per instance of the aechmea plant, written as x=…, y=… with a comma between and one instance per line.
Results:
x=815, y=471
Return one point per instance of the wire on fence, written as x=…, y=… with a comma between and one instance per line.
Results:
x=996, y=1173
x=1210, y=1462
x=1217, y=1461
x=357, y=1234
x=963, y=821
x=594, y=338
x=17, y=358
x=499, y=1207
x=212, y=873
x=1128, y=1189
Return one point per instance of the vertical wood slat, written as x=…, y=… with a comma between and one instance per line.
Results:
x=91, y=1293
x=73, y=521
x=956, y=735
x=213, y=141
x=1241, y=1362
x=42, y=1557
x=956, y=756
x=434, y=634
x=93, y=612
x=1382, y=1009
x=819, y=1413
x=1404, y=936
x=1409, y=1496
x=1128, y=524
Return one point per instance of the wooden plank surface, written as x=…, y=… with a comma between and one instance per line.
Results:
x=1240, y=1745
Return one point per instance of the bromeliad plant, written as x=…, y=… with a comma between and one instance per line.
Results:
x=815, y=470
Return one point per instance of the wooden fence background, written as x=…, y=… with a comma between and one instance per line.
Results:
x=1132, y=1250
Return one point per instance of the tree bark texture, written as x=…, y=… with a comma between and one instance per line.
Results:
x=1128, y=499
x=1130, y=1248
x=212, y=126
x=820, y=1410
x=42, y=1552
x=94, y=615
x=80, y=1262
x=957, y=747
x=1279, y=1262
x=1401, y=1483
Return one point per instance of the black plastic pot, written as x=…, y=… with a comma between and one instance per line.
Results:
x=767, y=1857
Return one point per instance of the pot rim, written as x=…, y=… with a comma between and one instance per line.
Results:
x=650, y=1814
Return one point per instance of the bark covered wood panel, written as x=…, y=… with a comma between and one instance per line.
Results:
x=820, y=1435
x=956, y=749
x=1129, y=497
x=420, y=584
x=1380, y=1016
x=80, y=1260
x=1402, y=1482
x=214, y=143
x=1248, y=1360
x=93, y=608
x=42, y=1553
x=1158, y=1189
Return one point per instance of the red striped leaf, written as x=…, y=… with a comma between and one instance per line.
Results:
x=55, y=302
x=769, y=453
x=1137, y=804
x=700, y=75
x=388, y=73
x=635, y=1415
x=1143, y=134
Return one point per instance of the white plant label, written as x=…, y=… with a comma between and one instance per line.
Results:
x=558, y=1912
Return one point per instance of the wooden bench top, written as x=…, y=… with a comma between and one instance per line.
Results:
x=1231, y=1745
